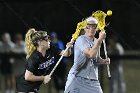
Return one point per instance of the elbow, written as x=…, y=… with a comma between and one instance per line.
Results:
x=27, y=77
x=90, y=53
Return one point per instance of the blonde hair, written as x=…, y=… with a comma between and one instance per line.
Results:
x=28, y=42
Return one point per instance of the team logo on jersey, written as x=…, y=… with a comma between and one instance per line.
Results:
x=46, y=64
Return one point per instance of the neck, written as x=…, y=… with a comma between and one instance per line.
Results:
x=42, y=51
x=90, y=37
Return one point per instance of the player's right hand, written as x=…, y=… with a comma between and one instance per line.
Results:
x=47, y=78
x=102, y=35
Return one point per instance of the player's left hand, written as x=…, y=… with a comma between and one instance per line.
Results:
x=103, y=61
x=107, y=61
x=69, y=44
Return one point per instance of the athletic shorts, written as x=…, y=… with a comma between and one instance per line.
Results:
x=23, y=86
x=83, y=85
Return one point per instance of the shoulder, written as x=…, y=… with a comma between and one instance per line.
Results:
x=34, y=57
x=81, y=38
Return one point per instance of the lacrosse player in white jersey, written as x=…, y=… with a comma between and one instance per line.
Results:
x=83, y=75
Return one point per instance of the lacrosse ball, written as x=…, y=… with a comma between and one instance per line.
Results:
x=109, y=12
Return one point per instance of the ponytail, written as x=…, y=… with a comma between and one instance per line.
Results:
x=28, y=42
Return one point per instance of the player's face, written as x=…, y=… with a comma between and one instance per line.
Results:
x=45, y=43
x=91, y=28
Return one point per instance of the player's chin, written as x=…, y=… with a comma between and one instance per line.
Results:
x=48, y=46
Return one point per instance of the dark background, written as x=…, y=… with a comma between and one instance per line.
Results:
x=62, y=17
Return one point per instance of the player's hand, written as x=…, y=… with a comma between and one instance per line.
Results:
x=69, y=44
x=102, y=35
x=103, y=61
x=47, y=78
x=107, y=61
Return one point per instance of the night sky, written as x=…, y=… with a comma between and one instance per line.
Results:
x=62, y=17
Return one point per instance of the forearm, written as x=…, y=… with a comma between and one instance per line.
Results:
x=35, y=78
x=94, y=50
x=31, y=77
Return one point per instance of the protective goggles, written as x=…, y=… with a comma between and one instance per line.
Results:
x=46, y=38
x=91, y=26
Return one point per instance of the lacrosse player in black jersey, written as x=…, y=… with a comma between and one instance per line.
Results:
x=40, y=57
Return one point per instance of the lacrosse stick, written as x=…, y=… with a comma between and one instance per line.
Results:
x=100, y=16
x=80, y=25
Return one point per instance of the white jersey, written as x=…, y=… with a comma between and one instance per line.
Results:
x=83, y=66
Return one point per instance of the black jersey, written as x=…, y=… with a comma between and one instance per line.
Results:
x=39, y=66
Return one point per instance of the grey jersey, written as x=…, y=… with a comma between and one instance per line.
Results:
x=84, y=66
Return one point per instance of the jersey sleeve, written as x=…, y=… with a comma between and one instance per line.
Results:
x=82, y=43
x=32, y=64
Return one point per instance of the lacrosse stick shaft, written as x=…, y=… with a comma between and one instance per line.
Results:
x=59, y=60
x=108, y=69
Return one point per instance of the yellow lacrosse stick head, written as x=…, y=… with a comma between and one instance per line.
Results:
x=100, y=16
x=80, y=25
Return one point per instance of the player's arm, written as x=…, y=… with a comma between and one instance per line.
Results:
x=67, y=53
x=29, y=76
x=91, y=52
x=31, y=66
